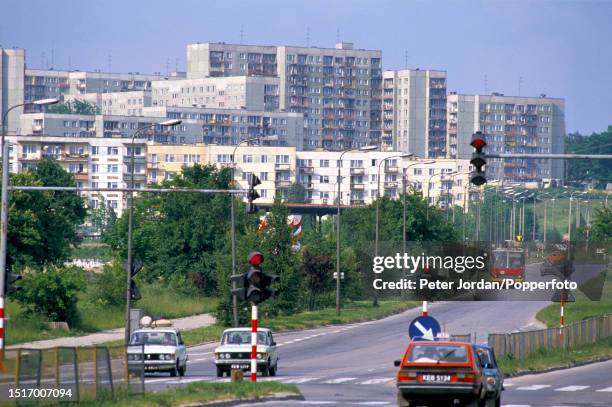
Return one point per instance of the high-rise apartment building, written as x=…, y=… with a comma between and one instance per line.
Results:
x=511, y=124
x=12, y=63
x=233, y=92
x=338, y=90
x=414, y=112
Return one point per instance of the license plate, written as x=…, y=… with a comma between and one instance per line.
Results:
x=436, y=378
x=241, y=366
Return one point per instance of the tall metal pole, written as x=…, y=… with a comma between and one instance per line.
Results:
x=533, y=238
x=569, y=220
x=404, y=180
x=339, y=199
x=545, y=225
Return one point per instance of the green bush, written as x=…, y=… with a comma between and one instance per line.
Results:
x=52, y=293
x=108, y=287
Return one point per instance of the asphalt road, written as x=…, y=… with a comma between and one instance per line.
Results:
x=353, y=364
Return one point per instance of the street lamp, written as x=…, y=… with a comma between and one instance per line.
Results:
x=383, y=160
x=404, y=181
x=339, y=200
x=171, y=122
x=4, y=204
x=428, y=182
x=569, y=214
x=272, y=137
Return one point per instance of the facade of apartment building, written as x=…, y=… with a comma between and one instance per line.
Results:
x=230, y=126
x=128, y=103
x=234, y=92
x=12, y=63
x=338, y=90
x=166, y=161
x=511, y=124
x=414, y=112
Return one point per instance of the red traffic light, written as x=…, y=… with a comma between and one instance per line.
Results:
x=255, y=259
x=478, y=143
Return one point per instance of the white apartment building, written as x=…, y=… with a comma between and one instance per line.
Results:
x=128, y=103
x=511, y=124
x=12, y=62
x=337, y=89
x=234, y=92
x=414, y=112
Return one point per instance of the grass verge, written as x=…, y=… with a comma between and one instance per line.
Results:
x=583, y=308
x=548, y=359
x=94, y=317
x=357, y=311
x=196, y=393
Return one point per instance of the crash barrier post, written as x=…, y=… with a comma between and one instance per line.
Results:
x=521, y=344
x=69, y=374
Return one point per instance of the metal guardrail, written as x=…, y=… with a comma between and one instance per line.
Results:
x=521, y=344
x=66, y=374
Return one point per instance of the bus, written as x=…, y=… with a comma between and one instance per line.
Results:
x=508, y=263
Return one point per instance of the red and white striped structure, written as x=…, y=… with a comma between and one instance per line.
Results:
x=253, y=343
x=1, y=329
x=424, y=313
x=562, y=319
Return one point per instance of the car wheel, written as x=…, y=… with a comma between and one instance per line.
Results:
x=265, y=371
x=475, y=402
x=402, y=401
x=272, y=370
x=219, y=372
x=182, y=370
x=174, y=371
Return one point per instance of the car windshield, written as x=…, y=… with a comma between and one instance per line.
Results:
x=243, y=338
x=485, y=357
x=438, y=353
x=153, y=338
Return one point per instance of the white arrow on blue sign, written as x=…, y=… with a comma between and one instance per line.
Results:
x=423, y=328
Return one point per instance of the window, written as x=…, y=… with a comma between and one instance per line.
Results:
x=247, y=158
x=224, y=158
x=324, y=179
x=113, y=168
x=111, y=185
x=264, y=159
x=95, y=150
x=282, y=159
x=112, y=150
x=263, y=176
x=94, y=168
x=324, y=163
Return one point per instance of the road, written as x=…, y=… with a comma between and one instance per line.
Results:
x=353, y=364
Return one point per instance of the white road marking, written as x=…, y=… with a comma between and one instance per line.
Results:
x=534, y=387
x=607, y=389
x=340, y=380
x=195, y=379
x=373, y=403
x=572, y=388
x=300, y=380
x=163, y=379
x=516, y=405
x=198, y=360
x=317, y=403
x=377, y=381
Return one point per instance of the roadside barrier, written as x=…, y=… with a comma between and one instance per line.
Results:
x=521, y=344
x=67, y=374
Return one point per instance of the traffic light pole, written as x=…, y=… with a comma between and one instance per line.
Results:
x=253, y=342
x=554, y=156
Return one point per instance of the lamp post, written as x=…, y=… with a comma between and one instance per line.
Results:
x=4, y=206
x=428, y=182
x=383, y=160
x=128, y=291
x=404, y=181
x=233, y=218
x=569, y=215
x=339, y=201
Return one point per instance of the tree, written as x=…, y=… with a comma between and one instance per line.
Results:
x=317, y=267
x=601, y=229
x=296, y=193
x=75, y=106
x=103, y=217
x=43, y=224
x=586, y=170
x=52, y=292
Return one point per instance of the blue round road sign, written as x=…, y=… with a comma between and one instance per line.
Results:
x=423, y=329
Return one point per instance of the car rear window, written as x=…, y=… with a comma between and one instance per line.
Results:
x=431, y=353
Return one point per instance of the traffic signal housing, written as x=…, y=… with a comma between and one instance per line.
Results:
x=136, y=267
x=479, y=159
x=254, y=285
x=252, y=194
x=11, y=279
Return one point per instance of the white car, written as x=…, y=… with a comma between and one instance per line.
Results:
x=157, y=350
x=234, y=351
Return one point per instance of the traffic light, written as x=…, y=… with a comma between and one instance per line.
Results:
x=478, y=159
x=253, y=286
x=136, y=267
x=252, y=194
x=11, y=279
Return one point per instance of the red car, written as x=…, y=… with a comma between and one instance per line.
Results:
x=441, y=373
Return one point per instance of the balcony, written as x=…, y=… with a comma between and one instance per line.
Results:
x=357, y=202
x=358, y=187
x=391, y=184
x=81, y=176
x=309, y=185
x=282, y=184
x=138, y=176
x=138, y=159
x=282, y=167
x=357, y=171
x=153, y=165
x=392, y=169
x=75, y=157
x=307, y=170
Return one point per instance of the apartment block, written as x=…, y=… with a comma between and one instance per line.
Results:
x=12, y=63
x=166, y=161
x=414, y=112
x=444, y=181
x=338, y=90
x=234, y=92
x=230, y=126
x=128, y=103
x=511, y=124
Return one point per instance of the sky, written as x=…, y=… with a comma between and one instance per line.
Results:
x=527, y=47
